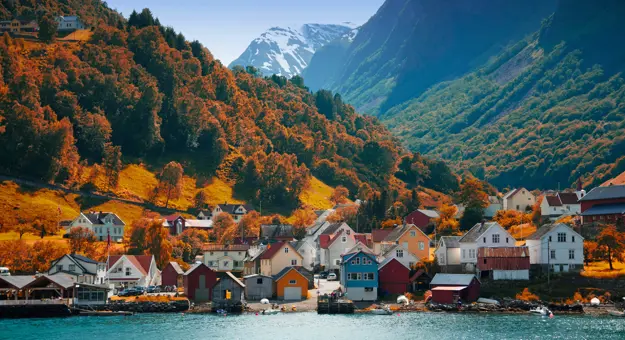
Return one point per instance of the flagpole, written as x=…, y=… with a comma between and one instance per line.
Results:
x=108, y=250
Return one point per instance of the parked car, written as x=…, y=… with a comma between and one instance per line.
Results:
x=323, y=275
x=154, y=289
x=331, y=277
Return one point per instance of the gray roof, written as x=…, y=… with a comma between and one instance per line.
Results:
x=256, y=275
x=235, y=279
x=544, y=230
x=332, y=228
x=477, y=231
x=605, y=209
x=451, y=241
x=18, y=281
x=605, y=193
x=97, y=218
x=84, y=259
x=276, y=230
x=429, y=213
x=231, y=208
x=63, y=280
x=176, y=267
x=397, y=232
x=452, y=279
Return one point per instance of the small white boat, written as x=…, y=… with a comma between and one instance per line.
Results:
x=381, y=311
x=264, y=301
x=616, y=313
x=542, y=311
x=270, y=312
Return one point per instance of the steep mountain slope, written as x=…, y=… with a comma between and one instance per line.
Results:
x=410, y=45
x=287, y=51
x=548, y=109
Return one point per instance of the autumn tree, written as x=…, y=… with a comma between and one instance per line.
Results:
x=47, y=27
x=170, y=181
x=224, y=228
x=82, y=240
x=200, y=200
x=23, y=225
x=249, y=225
x=302, y=219
x=193, y=241
x=43, y=252
x=510, y=218
x=474, y=199
x=364, y=192
x=112, y=163
x=611, y=244
x=45, y=224
x=446, y=223
x=148, y=237
x=339, y=195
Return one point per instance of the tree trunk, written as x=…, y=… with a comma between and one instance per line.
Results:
x=168, y=193
x=610, y=258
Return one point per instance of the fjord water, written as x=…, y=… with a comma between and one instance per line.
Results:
x=312, y=326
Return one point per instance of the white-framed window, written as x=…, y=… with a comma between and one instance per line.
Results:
x=571, y=254
x=225, y=253
x=399, y=253
x=369, y=276
x=358, y=276
x=553, y=254
x=292, y=282
x=573, y=238
x=127, y=271
x=72, y=267
x=464, y=253
x=495, y=238
x=286, y=249
x=337, y=262
x=413, y=233
x=357, y=260
x=294, y=262
x=344, y=239
x=352, y=276
x=421, y=245
x=59, y=267
x=561, y=237
x=226, y=263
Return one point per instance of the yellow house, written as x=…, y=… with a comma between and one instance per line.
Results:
x=279, y=256
x=412, y=238
x=18, y=26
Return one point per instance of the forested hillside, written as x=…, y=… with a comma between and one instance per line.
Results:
x=140, y=89
x=548, y=109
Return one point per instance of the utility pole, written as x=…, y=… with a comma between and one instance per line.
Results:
x=549, y=264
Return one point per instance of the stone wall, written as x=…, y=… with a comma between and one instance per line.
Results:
x=142, y=307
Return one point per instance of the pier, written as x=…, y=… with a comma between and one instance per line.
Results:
x=329, y=305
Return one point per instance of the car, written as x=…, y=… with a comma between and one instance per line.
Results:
x=331, y=277
x=154, y=289
x=323, y=275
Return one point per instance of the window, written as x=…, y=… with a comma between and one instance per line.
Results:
x=485, y=261
x=225, y=253
x=343, y=239
x=211, y=253
x=259, y=281
x=240, y=253
x=210, y=263
x=357, y=260
x=59, y=267
x=413, y=233
x=553, y=254
x=368, y=289
x=507, y=240
x=127, y=271
x=549, y=238
x=286, y=250
x=359, y=276
x=72, y=267
x=352, y=276
x=369, y=276
x=495, y=238
x=571, y=254
x=399, y=253
x=421, y=245
x=337, y=262
x=349, y=232
x=573, y=239
x=517, y=207
x=561, y=237
x=294, y=262
x=464, y=253
x=484, y=239
x=292, y=282
x=226, y=263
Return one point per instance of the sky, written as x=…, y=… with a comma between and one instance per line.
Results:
x=226, y=27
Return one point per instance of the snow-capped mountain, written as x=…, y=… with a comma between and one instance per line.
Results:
x=287, y=51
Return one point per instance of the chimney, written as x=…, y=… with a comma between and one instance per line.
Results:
x=482, y=224
x=579, y=184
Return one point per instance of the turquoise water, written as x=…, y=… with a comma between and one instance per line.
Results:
x=312, y=326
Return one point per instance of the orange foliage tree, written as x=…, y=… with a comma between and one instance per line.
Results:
x=446, y=223
x=170, y=181
x=189, y=243
x=23, y=258
x=339, y=195
x=343, y=214
x=302, y=218
x=82, y=241
x=148, y=237
x=611, y=245
x=224, y=228
x=526, y=295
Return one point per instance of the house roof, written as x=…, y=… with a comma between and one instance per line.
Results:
x=285, y=270
x=418, y=274
x=389, y=260
x=336, y=237
x=363, y=238
x=272, y=231
x=604, y=193
x=63, y=280
x=568, y=198
x=97, y=218
x=204, y=212
x=141, y=262
x=511, y=193
x=544, y=230
x=232, y=208
x=347, y=256
x=394, y=247
x=400, y=230
x=359, y=246
x=378, y=235
x=235, y=279
x=207, y=224
x=256, y=275
x=245, y=240
x=332, y=228
x=605, y=209
x=553, y=201
x=451, y=241
x=83, y=259
x=452, y=279
x=324, y=241
x=429, y=213
x=194, y=267
x=18, y=281
x=176, y=267
x=225, y=247
x=449, y=288
x=171, y=218
x=503, y=252
x=494, y=200
x=274, y=249
x=477, y=231
x=65, y=223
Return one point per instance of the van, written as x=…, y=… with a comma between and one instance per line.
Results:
x=4, y=271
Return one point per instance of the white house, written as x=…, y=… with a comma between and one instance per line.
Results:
x=562, y=203
x=237, y=211
x=558, y=247
x=448, y=251
x=102, y=224
x=485, y=234
x=69, y=23
x=204, y=215
x=83, y=269
x=308, y=250
x=337, y=246
x=133, y=270
x=518, y=199
x=400, y=253
x=324, y=237
x=224, y=257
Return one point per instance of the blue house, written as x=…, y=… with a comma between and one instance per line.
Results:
x=359, y=276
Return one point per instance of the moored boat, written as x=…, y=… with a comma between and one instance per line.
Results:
x=270, y=312
x=542, y=311
x=616, y=313
x=381, y=311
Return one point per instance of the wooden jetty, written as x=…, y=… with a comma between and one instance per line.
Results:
x=329, y=305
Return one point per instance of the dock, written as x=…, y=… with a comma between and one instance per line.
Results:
x=328, y=305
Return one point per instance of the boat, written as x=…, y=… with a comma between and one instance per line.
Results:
x=270, y=312
x=542, y=311
x=381, y=311
x=616, y=313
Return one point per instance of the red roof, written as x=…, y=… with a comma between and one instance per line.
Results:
x=553, y=201
x=142, y=262
x=324, y=241
x=362, y=238
x=339, y=234
x=273, y=249
x=568, y=197
x=378, y=235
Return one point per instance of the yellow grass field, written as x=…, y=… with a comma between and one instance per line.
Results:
x=80, y=35
x=601, y=270
x=317, y=196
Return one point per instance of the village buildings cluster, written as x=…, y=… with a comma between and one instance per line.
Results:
x=29, y=25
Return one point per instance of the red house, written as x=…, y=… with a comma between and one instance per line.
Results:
x=393, y=277
x=603, y=205
x=199, y=281
x=422, y=218
x=449, y=288
x=504, y=263
x=172, y=275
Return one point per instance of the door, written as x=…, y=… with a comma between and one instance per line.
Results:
x=202, y=292
x=292, y=293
